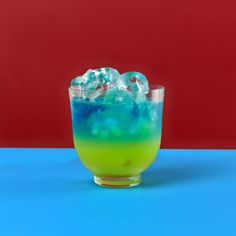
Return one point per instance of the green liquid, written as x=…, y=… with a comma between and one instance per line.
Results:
x=119, y=159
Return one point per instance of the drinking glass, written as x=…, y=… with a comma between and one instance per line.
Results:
x=117, y=138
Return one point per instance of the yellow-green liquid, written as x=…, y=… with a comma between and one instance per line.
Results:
x=120, y=159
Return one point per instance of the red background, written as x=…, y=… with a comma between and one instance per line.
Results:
x=189, y=46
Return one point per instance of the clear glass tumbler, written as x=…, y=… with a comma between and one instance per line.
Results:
x=117, y=139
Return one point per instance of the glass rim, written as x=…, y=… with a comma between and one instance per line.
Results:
x=152, y=87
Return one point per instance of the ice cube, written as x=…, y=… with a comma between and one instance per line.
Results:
x=95, y=95
x=140, y=97
x=107, y=84
x=116, y=96
x=77, y=81
x=77, y=88
x=107, y=73
x=133, y=81
x=96, y=82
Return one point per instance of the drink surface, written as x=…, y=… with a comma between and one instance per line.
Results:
x=116, y=140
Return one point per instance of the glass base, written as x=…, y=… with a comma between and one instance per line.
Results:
x=118, y=182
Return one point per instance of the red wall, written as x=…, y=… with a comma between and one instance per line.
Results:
x=188, y=45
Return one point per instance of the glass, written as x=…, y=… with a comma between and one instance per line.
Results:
x=117, y=141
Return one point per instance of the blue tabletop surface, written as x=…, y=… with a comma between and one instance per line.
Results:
x=185, y=192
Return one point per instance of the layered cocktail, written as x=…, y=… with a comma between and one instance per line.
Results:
x=117, y=123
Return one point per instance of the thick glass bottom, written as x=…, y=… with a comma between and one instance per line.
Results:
x=118, y=182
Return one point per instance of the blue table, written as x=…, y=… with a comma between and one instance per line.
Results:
x=185, y=192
